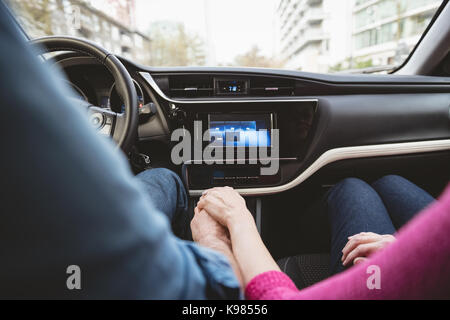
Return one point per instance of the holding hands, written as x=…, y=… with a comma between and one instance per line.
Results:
x=224, y=212
x=226, y=206
x=223, y=222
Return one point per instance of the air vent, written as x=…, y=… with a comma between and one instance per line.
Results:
x=191, y=86
x=271, y=87
x=208, y=85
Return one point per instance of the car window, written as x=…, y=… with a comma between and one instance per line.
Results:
x=308, y=35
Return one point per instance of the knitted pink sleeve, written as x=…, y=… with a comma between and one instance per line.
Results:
x=416, y=266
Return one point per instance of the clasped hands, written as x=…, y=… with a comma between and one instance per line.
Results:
x=219, y=211
x=223, y=222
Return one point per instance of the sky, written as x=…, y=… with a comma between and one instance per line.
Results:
x=235, y=25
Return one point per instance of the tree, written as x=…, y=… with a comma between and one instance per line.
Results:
x=172, y=45
x=37, y=15
x=254, y=58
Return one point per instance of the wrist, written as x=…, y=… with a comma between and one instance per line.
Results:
x=243, y=222
x=214, y=241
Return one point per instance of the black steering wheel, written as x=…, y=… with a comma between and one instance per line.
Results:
x=122, y=127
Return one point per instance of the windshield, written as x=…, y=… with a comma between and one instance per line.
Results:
x=307, y=35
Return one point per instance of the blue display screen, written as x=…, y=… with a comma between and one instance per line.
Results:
x=232, y=133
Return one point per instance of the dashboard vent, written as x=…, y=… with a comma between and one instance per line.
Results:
x=191, y=86
x=271, y=87
x=209, y=85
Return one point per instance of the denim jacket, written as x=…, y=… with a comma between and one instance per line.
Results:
x=70, y=202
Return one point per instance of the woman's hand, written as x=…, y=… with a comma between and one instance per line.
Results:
x=226, y=206
x=360, y=246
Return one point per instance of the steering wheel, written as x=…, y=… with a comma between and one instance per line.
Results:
x=122, y=127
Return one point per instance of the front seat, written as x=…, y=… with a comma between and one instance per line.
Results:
x=306, y=270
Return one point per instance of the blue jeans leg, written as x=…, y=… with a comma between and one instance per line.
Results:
x=168, y=195
x=353, y=206
x=402, y=199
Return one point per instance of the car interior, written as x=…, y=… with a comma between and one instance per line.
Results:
x=331, y=127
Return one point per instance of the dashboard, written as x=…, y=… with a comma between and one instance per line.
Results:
x=317, y=120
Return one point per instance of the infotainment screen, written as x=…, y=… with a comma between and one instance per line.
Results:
x=241, y=130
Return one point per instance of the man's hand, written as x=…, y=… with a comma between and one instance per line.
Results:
x=360, y=246
x=226, y=206
x=207, y=231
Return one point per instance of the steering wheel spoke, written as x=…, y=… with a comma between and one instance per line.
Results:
x=103, y=120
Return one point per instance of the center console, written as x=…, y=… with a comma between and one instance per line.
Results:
x=246, y=144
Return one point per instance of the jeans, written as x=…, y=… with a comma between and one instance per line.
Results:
x=167, y=192
x=353, y=206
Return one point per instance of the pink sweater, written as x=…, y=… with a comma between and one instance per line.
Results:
x=416, y=266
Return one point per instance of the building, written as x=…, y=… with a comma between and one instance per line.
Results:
x=120, y=10
x=314, y=33
x=331, y=35
x=385, y=31
x=110, y=23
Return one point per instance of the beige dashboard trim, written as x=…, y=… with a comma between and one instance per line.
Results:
x=346, y=153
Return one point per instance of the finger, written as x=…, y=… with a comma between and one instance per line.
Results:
x=357, y=240
x=363, y=234
x=389, y=237
x=359, y=260
x=206, y=192
x=216, y=197
x=201, y=204
x=213, y=207
x=206, y=203
x=356, y=235
x=362, y=250
x=212, y=193
x=193, y=222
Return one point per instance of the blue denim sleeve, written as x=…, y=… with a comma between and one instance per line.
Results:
x=220, y=278
x=69, y=199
